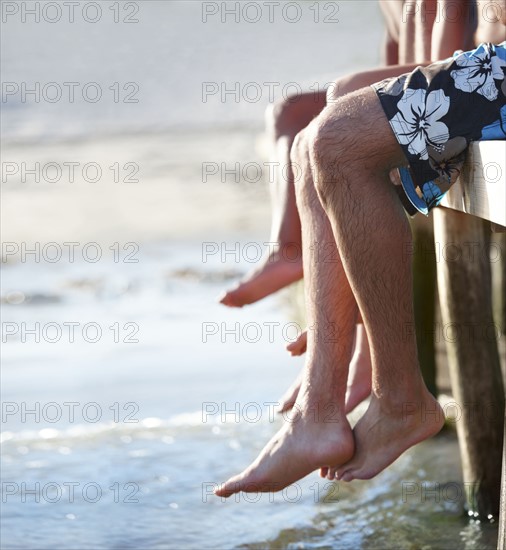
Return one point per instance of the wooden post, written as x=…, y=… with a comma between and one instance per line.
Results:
x=464, y=278
x=424, y=297
x=501, y=542
x=502, y=241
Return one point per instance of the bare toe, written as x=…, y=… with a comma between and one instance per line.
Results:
x=295, y=451
x=298, y=347
x=274, y=274
x=331, y=474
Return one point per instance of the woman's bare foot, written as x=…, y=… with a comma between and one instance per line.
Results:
x=386, y=431
x=298, y=347
x=276, y=272
x=304, y=444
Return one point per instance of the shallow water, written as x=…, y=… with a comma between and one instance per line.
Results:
x=156, y=482
x=158, y=422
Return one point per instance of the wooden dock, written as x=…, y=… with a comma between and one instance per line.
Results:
x=473, y=206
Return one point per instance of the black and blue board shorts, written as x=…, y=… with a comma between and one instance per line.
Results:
x=436, y=111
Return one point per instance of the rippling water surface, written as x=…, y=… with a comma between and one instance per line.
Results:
x=158, y=423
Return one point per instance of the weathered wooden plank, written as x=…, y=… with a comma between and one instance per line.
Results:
x=501, y=542
x=481, y=188
x=465, y=297
x=424, y=297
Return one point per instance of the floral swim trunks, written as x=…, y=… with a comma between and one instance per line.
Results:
x=436, y=111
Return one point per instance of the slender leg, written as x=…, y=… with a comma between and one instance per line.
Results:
x=282, y=265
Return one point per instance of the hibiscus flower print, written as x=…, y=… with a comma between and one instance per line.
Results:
x=448, y=170
x=448, y=163
x=417, y=123
x=477, y=71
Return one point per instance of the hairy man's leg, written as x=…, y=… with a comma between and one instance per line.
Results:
x=360, y=369
x=353, y=151
x=317, y=433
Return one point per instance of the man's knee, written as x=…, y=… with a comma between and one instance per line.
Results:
x=332, y=140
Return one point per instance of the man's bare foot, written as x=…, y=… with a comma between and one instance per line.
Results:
x=276, y=272
x=304, y=444
x=298, y=347
x=385, y=432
